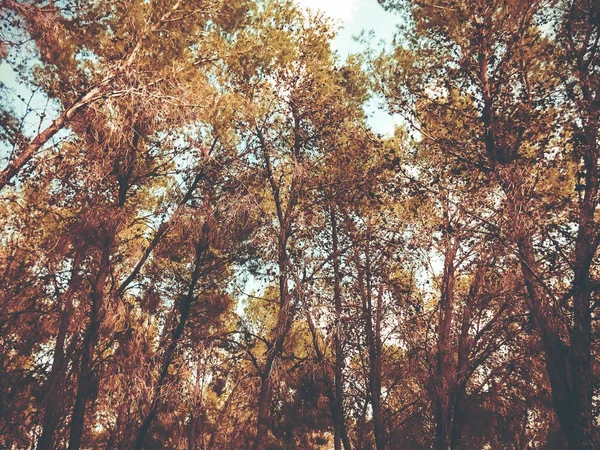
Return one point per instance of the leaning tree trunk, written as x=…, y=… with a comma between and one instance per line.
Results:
x=87, y=98
x=184, y=307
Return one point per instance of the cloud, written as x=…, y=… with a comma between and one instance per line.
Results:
x=341, y=10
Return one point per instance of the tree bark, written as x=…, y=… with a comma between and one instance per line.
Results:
x=284, y=321
x=445, y=375
x=568, y=365
x=337, y=410
x=184, y=307
x=86, y=379
x=284, y=316
x=373, y=345
x=55, y=384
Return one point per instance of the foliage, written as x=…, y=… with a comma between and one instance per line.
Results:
x=204, y=245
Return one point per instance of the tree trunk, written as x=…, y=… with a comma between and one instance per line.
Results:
x=445, y=375
x=464, y=368
x=568, y=366
x=55, y=384
x=284, y=321
x=87, y=98
x=556, y=352
x=87, y=381
x=337, y=410
x=266, y=388
x=86, y=372
x=284, y=316
x=184, y=307
x=460, y=404
x=585, y=248
x=374, y=348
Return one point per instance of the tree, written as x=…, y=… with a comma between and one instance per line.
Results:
x=204, y=244
x=483, y=66
x=123, y=59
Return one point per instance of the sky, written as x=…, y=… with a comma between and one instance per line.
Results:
x=353, y=17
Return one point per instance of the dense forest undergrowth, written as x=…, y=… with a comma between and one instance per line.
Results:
x=204, y=244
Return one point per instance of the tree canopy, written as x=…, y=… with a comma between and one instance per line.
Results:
x=205, y=244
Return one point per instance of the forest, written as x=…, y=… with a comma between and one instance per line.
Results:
x=205, y=244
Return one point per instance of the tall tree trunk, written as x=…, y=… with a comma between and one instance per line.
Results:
x=364, y=280
x=55, y=384
x=568, y=366
x=86, y=379
x=123, y=170
x=556, y=351
x=585, y=249
x=337, y=410
x=374, y=348
x=284, y=321
x=458, y=418
x=464, y=368
x=340, y=435
x=284, y=316
x=445, y=375
x=192, y=432
x=184, y=307
x=266, y=389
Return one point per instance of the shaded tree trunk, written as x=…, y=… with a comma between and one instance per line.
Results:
x=444, y=381
x=464, y=367
x=123, y=170
x=337, y=410
x=568, y=365
x=284, y=316
x=284, y=321
x=184, y=308
x=55, y=384
x=86, y=380
x=373, y=344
